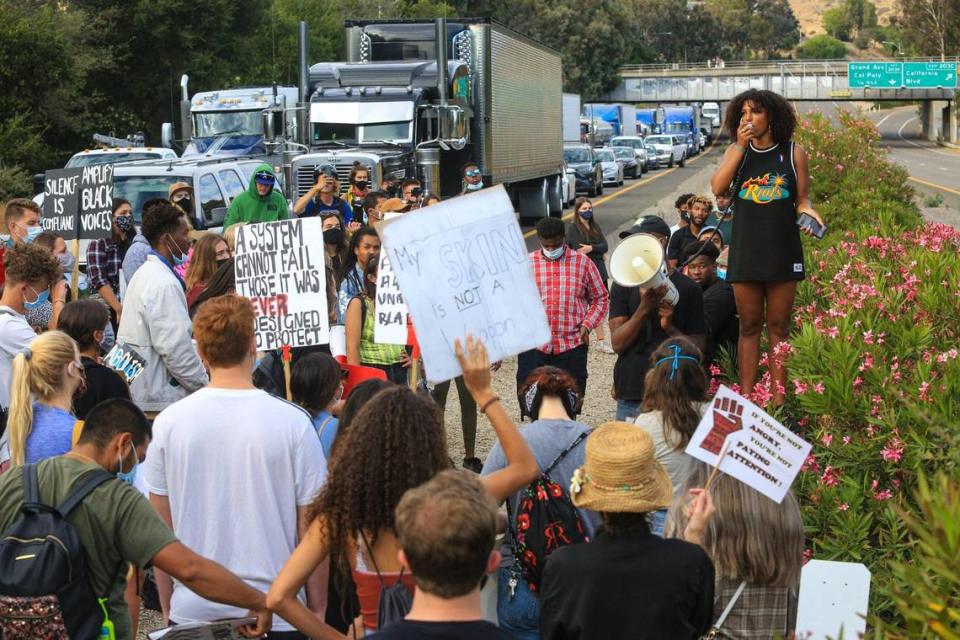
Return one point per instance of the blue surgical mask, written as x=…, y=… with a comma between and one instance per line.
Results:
x=180, y=258
x=32, y=233
x=129, y=476
x=475, y=187
x=721, y=273
x=42, y=297
x=553, y=254
x=66, y=262
x=586, y=214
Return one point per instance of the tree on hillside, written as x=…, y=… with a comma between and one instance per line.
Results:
x=754, y=28
x=822, y=47
x=672, y=31
x=930, y=26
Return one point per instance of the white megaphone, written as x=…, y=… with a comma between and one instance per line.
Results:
x=639, y=262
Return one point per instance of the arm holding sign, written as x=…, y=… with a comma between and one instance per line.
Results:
x=522, y=466
x=353, y=326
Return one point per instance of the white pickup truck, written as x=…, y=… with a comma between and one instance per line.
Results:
x=670, y=149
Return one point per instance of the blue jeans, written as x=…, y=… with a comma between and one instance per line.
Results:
x=627, y=411
x=519, y=616
x=658, y=519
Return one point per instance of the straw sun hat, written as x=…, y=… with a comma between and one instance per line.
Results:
x=620, y=474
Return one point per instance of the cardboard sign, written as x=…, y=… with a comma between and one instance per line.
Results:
x=833, y=600
x=760, y=451
x=463, y=269
x=125, y=361
x=391, y=309
x=96, y=202
x=280, y=267
x=61, y=201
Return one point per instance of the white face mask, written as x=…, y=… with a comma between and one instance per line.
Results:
x=475, y=187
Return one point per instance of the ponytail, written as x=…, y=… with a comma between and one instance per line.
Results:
x=20, y=417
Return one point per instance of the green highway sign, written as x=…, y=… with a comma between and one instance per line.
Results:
x=930, y=75
x=876, y=75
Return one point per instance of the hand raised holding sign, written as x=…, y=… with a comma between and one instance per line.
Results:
x=476, y=368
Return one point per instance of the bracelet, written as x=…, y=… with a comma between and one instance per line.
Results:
x=60, y=301
x=488, y=403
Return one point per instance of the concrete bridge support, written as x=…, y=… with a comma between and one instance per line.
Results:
x=949, y=120
x=928, y=120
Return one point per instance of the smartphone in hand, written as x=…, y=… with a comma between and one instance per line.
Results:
x=806, y=221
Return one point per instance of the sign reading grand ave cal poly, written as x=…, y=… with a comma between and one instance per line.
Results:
x=902, y=75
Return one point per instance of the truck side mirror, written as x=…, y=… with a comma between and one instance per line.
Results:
x=217, y=216
x=270, y=124
x=166, y=135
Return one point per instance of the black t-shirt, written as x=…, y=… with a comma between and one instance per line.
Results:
x=415, y=629
x=103, y=383
x=632, y=366
x=679, y=241
x=720, y=310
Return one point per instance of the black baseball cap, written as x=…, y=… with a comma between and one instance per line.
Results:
x=648, y=224
x=328, y=170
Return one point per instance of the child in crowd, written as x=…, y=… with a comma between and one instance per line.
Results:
x=317, y=385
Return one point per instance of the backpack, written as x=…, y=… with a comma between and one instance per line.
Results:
x=44, y=590
x=546, y=520
x=395, y=600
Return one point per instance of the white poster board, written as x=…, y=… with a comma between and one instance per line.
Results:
x=280, y=267
x=464, y=269
x=391, y=316
x=760, y=451
x=833, y=602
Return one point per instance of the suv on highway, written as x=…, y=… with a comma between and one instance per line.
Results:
x=584, y=162
x=670, y=149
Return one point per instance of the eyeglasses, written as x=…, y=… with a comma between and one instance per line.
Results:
x=472, y=173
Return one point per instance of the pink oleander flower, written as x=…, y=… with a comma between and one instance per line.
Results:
x=818, y=387
x=838, y=167
x=829, y=477
x=715, y=370
x=833, y=332
x=857, y=382
x=807, y=555
x=924, y=392
x=886, y=494
x=868, y=336
x=826, y=439
x=799, y=387
x=893, y=451
x=843, y=506
x=846, y=440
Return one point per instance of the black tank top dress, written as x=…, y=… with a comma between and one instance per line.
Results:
x=766, y=246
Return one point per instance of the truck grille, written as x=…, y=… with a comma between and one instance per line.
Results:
x=305, y=175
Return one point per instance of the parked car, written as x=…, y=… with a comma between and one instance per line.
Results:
x=653, y=162
x=670, y=149
x=631, y=165
x=612, y=168
x=703, y=140
x=639, y=149
x=119, y=155
x=569, y=185
x=586, y=165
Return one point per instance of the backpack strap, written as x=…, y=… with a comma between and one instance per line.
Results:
x=729, y=608
x=31, y=487
x=83, y=487
x=373, y=561
x=323, y=426
x=563, y=454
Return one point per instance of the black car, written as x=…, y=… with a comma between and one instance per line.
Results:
x=626, y=155
x=582, y=159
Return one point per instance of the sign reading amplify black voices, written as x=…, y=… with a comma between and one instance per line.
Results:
x=78, y=202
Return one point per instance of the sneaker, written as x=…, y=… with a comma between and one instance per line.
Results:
x=473, y=464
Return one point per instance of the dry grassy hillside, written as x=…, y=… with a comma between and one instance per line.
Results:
x=808, y=12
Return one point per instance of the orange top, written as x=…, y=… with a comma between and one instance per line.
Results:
x=368, y=592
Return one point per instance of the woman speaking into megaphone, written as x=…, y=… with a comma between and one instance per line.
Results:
x=767, y=176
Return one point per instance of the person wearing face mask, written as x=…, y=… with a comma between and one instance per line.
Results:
x=21, y=221
x=586, y=236
x=261, y=202
x=322, y=197
x=575, y=299
x=46, y=376
x=45, y=316
x=209, y=253
x=32, y=272
x=472, y=178
x=359, y=321
x=155, y=322
x=105, y=256
x=334, y=242
x=181, y=194
x=115, y=524
x=357, y=190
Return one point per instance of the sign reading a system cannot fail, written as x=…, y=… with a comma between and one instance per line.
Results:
x=280, y=267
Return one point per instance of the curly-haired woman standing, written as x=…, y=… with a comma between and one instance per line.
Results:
x=766, y=256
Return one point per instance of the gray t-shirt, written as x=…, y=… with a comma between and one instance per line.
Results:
x=547, y=438
x=677, y=463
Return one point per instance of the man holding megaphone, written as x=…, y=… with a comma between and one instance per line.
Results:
x=649, y=303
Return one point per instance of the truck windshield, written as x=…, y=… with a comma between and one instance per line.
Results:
x=90, y=159
x=139, y=189
x=576, y=155
x=395, y=132
x=385, y=132
x=676, y=127
x=209, y=124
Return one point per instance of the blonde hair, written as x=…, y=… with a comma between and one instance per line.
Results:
x=230, y=235
x=37, y=370
x=750, y=537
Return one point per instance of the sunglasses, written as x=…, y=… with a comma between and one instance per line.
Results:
x=472, y=173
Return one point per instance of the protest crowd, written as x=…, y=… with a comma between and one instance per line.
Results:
x=310, y=493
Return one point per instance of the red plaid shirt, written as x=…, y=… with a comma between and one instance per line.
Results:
x=573, y=296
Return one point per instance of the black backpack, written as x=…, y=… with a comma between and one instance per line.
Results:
x=44, y=590
x=395, y=600
x=546, y=520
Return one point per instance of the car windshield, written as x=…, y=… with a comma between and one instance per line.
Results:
x=209, y=124
x=660, y=140
x=139, y=189
x=605, y=155
x=91, y=159
x=625, y=153
x=576, y=155
x=623, y=142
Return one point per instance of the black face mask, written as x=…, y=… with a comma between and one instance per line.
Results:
x=361, y=184
x=186, y=204
x=333, y=236
x=222, y=261
x=416, y=192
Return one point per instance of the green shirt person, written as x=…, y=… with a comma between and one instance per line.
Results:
x=116, y=524
x=261, y=202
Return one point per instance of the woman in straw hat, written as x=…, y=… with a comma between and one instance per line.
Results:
x=756, y=546
x=628, y=583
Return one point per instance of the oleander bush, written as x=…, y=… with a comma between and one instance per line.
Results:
x=874, y=383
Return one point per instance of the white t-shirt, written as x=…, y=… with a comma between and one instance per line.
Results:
x=15, y=336
x=678, y=464
x=235, y=465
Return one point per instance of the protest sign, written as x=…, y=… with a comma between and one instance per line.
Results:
x=391, y=316
x=463, y=269
x=96, y=202
x=125, y=361
x=61, y=201
x=833, y=600
x=280, y=267
x=760, y=452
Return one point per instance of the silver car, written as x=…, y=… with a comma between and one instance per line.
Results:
x=639, y=149
x=612, y=168
x=670, y=149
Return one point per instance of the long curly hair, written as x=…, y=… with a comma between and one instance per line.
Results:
x=676, y=398
x=395, y=442
x=781, y=115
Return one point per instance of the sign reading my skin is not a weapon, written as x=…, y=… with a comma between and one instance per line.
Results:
x=280, y=267
x=760, y=451
x=464, y=270
x=78, y=202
